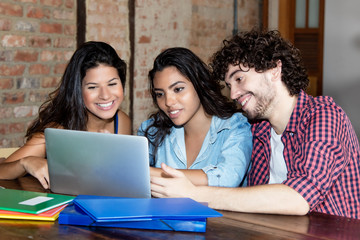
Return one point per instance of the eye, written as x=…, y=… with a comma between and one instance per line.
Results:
x=178, y=89
x=113, y=84
x=158, y=94
x=91, y=87
x=238, y=79
x=228, y=85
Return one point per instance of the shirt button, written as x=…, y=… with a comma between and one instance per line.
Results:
x=291, y=134
x=267, y=177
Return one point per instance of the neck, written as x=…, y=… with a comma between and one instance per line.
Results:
x=282, y=112
x=200, y=123
x=96, y=124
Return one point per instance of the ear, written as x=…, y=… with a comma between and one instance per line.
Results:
x=276, y=71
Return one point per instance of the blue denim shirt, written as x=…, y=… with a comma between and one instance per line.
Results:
x=224, y=156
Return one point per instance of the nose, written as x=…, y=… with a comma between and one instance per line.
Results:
x=234, y=92
x=169, y=100
x=104, y=93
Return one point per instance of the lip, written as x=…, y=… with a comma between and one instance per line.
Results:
x=174, y=113
x=244, y=100
x=105, y=106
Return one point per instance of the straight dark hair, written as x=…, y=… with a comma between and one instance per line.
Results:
x=65, y=106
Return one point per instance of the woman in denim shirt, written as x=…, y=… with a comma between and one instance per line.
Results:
x=196, y=128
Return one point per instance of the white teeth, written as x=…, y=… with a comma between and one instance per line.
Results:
x=174, y=112
x=105, y=104
x=243, y=102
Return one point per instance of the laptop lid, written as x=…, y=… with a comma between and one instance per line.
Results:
x=89, y=163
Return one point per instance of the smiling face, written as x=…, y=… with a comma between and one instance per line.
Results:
x=176, y=96
x=252, y=90
x=102, y=92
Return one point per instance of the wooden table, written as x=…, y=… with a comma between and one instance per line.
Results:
x=232, y=225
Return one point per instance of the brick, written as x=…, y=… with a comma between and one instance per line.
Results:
x=6, y=56
x=6, y=112
x=64, y=43
x=25, y=111
x=40, y=42
x=70, y=30
x=11, y=9
x=69, y=3
x=5, y=25
x=51, y=28
x=26, y=56
x=16, y=127
x=13, y=98
x=144, y=39
x=48, y=55
x=6, y=83
x=38, y=97
x=37, y=69
x=9, y=70
x=13, y=41
x=54, y=3
x=38, y=12
x=60, y=68
x=62, y=14
x=27, y=1
x=50, y=82
x=25, y=26
x=27, y=83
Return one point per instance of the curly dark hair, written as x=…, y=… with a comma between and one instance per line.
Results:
x=207, y=88
x=65, y=106
x=262, y=51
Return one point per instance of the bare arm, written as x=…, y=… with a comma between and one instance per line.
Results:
x=124, y=124
x=271, y=198
x=28, y=159
x=196, y=176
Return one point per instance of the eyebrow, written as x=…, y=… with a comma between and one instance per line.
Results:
x=171, y=86
x=234, y=72
x=115, y=78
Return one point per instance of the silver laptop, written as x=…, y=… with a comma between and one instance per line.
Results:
x=103, y=164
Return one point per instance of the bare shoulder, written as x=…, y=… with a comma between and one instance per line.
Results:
x=35, y=146
x=124, y=123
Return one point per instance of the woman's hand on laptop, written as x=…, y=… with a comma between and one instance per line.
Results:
x=176, y=184
x=37, y=167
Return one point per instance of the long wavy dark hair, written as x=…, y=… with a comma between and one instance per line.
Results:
x=197, y=72
x=65, y=106
x=262, y=51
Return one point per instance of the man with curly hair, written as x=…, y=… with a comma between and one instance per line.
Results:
x=306, y=156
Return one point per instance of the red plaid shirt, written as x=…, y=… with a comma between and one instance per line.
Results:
x=322, y=155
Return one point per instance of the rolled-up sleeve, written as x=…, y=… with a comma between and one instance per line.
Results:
x=234, y=157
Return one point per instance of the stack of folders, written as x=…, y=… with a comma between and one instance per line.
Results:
x=26, y=205
x=173, y=214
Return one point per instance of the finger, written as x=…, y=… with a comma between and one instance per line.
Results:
x=157, y=195
x=171, y=171
x=43, y=182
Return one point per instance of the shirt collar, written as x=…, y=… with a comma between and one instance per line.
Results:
x=216, y=126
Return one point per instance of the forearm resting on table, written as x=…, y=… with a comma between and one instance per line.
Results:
x=269, y=198
x=11, y=170
x=196, y=176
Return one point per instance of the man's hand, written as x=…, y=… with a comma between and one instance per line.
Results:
x=175, y=184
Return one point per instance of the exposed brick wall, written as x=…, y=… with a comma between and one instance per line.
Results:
x=200, y=25
x=37, y=38
x=108, y=21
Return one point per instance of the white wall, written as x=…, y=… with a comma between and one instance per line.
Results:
x=341, y=76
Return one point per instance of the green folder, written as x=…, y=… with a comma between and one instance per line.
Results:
x=31, y=202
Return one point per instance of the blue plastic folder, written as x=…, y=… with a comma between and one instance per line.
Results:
x=192, y=222
x=130, y=209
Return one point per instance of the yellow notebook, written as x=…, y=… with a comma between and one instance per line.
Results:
x=50, y=215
